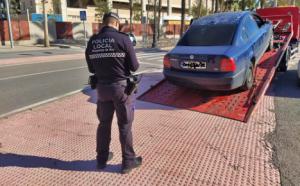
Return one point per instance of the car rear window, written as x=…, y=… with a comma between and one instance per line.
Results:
x=208, y=35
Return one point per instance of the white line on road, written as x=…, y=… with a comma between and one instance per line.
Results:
x=149, y=55
x=155, y=58
x=39, y=73
x=149, y=71
x=158, y=65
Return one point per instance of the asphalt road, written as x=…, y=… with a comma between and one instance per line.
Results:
x=27, y=84
x=41, y=52
x=285, y=139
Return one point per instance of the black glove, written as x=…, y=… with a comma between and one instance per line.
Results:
x=93, y=81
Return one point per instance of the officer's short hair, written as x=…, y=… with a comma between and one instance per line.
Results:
x=110, y=17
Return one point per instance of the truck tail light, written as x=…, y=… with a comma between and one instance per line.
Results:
x=167, y=62
x=227, y=65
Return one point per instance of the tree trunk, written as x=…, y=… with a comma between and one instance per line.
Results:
x=217, y=6
x=206, y=7
x=159, y=17
x=199, y=8
x=154, y=41
x=182, y=17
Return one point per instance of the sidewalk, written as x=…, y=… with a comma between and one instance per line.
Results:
x=54, y=144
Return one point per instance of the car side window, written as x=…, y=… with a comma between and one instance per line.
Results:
x=251, y=26
x=244, y=34
x=258, y=20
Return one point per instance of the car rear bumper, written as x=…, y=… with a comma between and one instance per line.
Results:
x=208, y=81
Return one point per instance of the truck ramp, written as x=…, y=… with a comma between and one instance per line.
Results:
x=236, y=105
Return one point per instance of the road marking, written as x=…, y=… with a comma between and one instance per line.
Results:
x=39, y=73
x=158, y=65
x=155, y=58
x=150, y=55
x=150, y=71
x=41, y=103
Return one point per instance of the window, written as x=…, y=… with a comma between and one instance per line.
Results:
x=258, y=20
x=244, y=34
x=251, y=26
x=209, y=35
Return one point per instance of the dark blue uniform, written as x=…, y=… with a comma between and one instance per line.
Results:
x=111, y=56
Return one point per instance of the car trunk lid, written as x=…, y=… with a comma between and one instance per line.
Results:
x=197, y=59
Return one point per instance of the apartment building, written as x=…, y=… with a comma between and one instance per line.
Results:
x=69, y=9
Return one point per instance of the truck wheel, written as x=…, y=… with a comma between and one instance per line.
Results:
x=284, y=61
x=271, y=44
x=249, y=81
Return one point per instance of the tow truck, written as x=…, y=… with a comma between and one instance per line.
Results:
x=238, y=105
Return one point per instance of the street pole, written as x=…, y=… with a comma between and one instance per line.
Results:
x=159, y=19
x=130, y=12
x=182, y=17
x=84, y=28
x=28, y=18
x=46, y=37
x=9, y=25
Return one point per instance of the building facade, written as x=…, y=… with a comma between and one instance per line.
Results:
x=70, y=9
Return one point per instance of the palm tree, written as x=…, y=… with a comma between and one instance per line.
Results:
x=159, y=17
x=199, y=8
x=206, y=7
x=182, y=17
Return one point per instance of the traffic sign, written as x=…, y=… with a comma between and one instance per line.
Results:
x=83, y=15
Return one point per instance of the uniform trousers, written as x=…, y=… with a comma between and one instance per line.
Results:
x=111, y=99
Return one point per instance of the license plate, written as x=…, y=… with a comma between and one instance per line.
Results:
x=193, y=65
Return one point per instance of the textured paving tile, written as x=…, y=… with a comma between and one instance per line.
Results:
x=55, y=145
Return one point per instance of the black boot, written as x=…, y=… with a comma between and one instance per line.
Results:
x=128, y=168
x=101, y=164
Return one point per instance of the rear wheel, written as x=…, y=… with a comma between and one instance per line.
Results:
x=249, y=81
x=284, y=61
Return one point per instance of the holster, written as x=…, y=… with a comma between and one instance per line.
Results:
x=132, y=84
x=93, y=81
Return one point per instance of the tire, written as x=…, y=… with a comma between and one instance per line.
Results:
x=271, y=43
x=284, y=61
x=249, y=79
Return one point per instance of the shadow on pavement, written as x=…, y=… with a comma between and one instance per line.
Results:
x=286, y=85
x=29, y=161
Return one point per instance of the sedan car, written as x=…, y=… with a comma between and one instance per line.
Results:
x=219, y=52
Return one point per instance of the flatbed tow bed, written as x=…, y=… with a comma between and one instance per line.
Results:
x=235, y=105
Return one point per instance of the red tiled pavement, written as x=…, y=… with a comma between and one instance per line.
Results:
x=54, y=145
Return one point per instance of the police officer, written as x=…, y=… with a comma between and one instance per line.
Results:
x=111, y=57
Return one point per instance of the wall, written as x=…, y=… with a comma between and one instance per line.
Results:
x=20, y=30
x=68, y=32
x=37, y=31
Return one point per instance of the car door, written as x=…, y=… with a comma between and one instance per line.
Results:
x=265, y=29
x=255, y=37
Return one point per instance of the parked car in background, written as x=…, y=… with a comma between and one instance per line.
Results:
x=219, y=52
